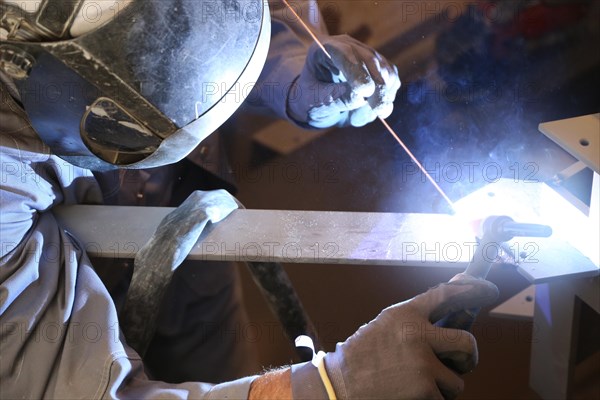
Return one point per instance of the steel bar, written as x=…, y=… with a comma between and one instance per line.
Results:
x=313, y=237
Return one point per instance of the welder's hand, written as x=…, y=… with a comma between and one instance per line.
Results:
x=352, y=87
x=400, y=353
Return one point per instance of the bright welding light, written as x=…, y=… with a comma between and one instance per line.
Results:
x=532, y=202
x=571, y=224
x=504, y=197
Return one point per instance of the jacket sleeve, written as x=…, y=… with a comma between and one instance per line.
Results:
x=289, y=44
x=59, y=331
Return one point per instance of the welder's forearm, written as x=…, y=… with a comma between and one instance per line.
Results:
x=287, y=53
x=274, y=385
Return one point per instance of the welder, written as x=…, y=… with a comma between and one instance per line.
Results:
x=94, y=88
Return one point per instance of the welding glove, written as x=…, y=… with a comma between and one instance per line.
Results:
x=401, y=354
x=353, y=87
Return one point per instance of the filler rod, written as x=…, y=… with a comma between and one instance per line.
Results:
x=383, y=121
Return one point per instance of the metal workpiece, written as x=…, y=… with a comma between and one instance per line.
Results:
x=580, y=136
x=313, y=237
x=571, y=251
x=363, y=238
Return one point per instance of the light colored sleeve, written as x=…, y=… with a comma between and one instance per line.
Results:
x=59, y=331
x=287, y=53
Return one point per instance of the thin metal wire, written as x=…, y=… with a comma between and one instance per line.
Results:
x=383, y=121
x=310, y=32
x=416, y=161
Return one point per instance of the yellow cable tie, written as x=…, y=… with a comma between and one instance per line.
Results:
x=320, y=364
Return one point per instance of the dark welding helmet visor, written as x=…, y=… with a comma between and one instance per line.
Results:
x=144, y=89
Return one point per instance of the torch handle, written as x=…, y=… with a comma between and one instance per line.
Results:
x=459, y=320
x=495, y=231
x=480, y=265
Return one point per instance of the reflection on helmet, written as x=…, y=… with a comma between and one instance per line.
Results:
x=50, y=20
x=139, y=89
x=115, y=136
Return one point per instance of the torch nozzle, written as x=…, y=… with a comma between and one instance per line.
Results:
x=515, y=229
x=502, y=229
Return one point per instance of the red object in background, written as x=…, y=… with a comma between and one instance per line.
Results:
x=531, y=22
x=536, y=21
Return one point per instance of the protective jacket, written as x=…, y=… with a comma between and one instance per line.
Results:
x=59, y=331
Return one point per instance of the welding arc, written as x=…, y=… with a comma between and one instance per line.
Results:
x=383, y=121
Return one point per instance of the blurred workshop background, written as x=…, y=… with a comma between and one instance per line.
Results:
x=478, y=77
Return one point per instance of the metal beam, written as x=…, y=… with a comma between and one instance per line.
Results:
x=428, y=240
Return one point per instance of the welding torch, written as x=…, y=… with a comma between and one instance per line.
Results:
x=494, y=230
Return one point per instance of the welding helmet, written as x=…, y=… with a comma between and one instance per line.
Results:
x=142, y=88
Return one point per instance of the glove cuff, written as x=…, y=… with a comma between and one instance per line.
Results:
x=310, y=381
x=295, y=119
x=333, y=363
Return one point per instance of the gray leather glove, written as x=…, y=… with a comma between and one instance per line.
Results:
x=401, y=354
x=353, y=87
